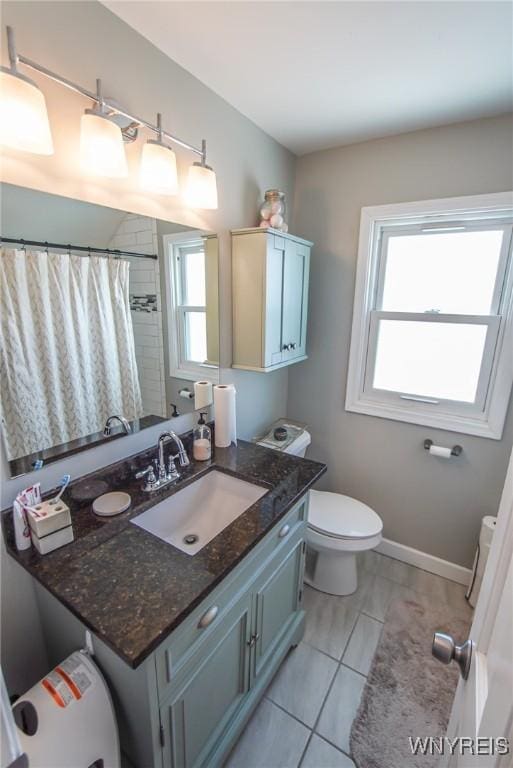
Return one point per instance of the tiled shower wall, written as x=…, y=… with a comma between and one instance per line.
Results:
x=139, y=233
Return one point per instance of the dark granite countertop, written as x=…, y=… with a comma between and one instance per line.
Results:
x=133, y=589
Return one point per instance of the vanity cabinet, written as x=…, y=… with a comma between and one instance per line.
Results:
x=187, y=703
x=270, y=276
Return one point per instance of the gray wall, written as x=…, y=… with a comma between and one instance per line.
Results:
x=83, y=40
x=425, y=503
x=35, y=215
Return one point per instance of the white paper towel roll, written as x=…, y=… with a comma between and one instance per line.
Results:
x=225, y=422
x=439, y=450
x=202, y=395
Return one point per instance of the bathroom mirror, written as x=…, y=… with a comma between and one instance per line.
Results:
x=103, y=313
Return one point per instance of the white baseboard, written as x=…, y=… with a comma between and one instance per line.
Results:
x=427, y=562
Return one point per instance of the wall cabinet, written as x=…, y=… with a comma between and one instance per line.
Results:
x=187, y=703
x=270, y=275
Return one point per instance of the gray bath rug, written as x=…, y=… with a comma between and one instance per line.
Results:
x=407, y=693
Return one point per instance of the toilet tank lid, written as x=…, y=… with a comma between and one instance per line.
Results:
x=297, y=439
x=342, y=516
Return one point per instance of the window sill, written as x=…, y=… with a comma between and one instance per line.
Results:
x=201, y=374
x=467, y=425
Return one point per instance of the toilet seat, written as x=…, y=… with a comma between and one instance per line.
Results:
x=336, y=516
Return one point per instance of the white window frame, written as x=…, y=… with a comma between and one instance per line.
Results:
x=494, y=387
x=179, y=367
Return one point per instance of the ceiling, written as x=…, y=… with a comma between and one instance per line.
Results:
x=320, y=74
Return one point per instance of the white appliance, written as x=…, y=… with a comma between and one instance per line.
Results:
x=67, y=719
x=338, y=526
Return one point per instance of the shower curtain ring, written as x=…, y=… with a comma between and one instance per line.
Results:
x=69, y=250
x=46, y=247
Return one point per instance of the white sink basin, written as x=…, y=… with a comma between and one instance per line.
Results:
x=200, y=511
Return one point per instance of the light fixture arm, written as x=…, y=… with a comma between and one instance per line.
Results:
x=97, y=97
x=11, y=47
x=159, y=128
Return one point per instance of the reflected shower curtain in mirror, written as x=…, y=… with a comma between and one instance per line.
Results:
x=67, y=347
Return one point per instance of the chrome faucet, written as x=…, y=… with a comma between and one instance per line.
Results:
x=158, y=476
x=108, y=429
x=181, y=455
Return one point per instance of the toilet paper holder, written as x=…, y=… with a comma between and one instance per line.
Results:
x=456, y=450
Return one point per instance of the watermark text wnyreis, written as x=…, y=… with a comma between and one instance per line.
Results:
x=462, y=745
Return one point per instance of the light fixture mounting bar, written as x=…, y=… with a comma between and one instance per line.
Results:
x=19, y=59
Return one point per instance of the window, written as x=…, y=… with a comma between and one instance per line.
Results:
x=187, y=311
x=432, y=339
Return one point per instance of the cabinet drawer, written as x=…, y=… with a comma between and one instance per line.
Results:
x=206, y=618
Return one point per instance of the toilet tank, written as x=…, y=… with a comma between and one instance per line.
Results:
x=300, y=444
x=296, y=441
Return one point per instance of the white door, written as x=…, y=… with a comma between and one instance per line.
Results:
x=482, y=716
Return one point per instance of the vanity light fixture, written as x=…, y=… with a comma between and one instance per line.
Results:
x=158, y=165
x=24, y=125
x=201, y=184
x=101, y=142
x=23, y=116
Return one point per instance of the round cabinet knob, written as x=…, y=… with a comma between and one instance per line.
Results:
x=284, y=531
x=286, y=347
x=293, y=346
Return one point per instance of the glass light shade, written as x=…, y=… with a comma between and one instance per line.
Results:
x=158, y=169
x=102, y=152
x=23, y=117
x=201, y=187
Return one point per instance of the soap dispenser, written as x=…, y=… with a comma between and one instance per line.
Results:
x=202, y=440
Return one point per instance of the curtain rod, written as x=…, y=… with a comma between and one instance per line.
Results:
x=82, y=248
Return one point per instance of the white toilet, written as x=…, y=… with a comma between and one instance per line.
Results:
x=338, y=528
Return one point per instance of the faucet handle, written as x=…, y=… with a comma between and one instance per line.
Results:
x=149, y=472
x=151, y=479
x=173, y=473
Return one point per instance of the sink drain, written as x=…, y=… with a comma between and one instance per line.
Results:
x=191, y=538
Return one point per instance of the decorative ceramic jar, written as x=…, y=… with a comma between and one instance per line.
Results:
x=273, y=210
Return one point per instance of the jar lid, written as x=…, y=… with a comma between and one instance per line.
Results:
x=272, y=194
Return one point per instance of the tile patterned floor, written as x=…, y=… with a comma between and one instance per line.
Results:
x=305, y=718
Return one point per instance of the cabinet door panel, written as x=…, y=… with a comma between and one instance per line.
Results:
x=295, y=299
x=273, y=306
x=216, y=680
x=277, y=601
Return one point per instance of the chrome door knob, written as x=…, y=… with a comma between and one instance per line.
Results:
x=444, y=649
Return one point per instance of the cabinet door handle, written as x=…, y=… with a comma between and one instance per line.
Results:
x=252, y=640
x=286, y=347
x=284, y=531
x=208, y=617
x=293, y=346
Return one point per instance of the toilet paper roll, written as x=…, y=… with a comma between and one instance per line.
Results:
x=202, y=394
x=186, y=394
x=439, y=450
x=225, y=422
